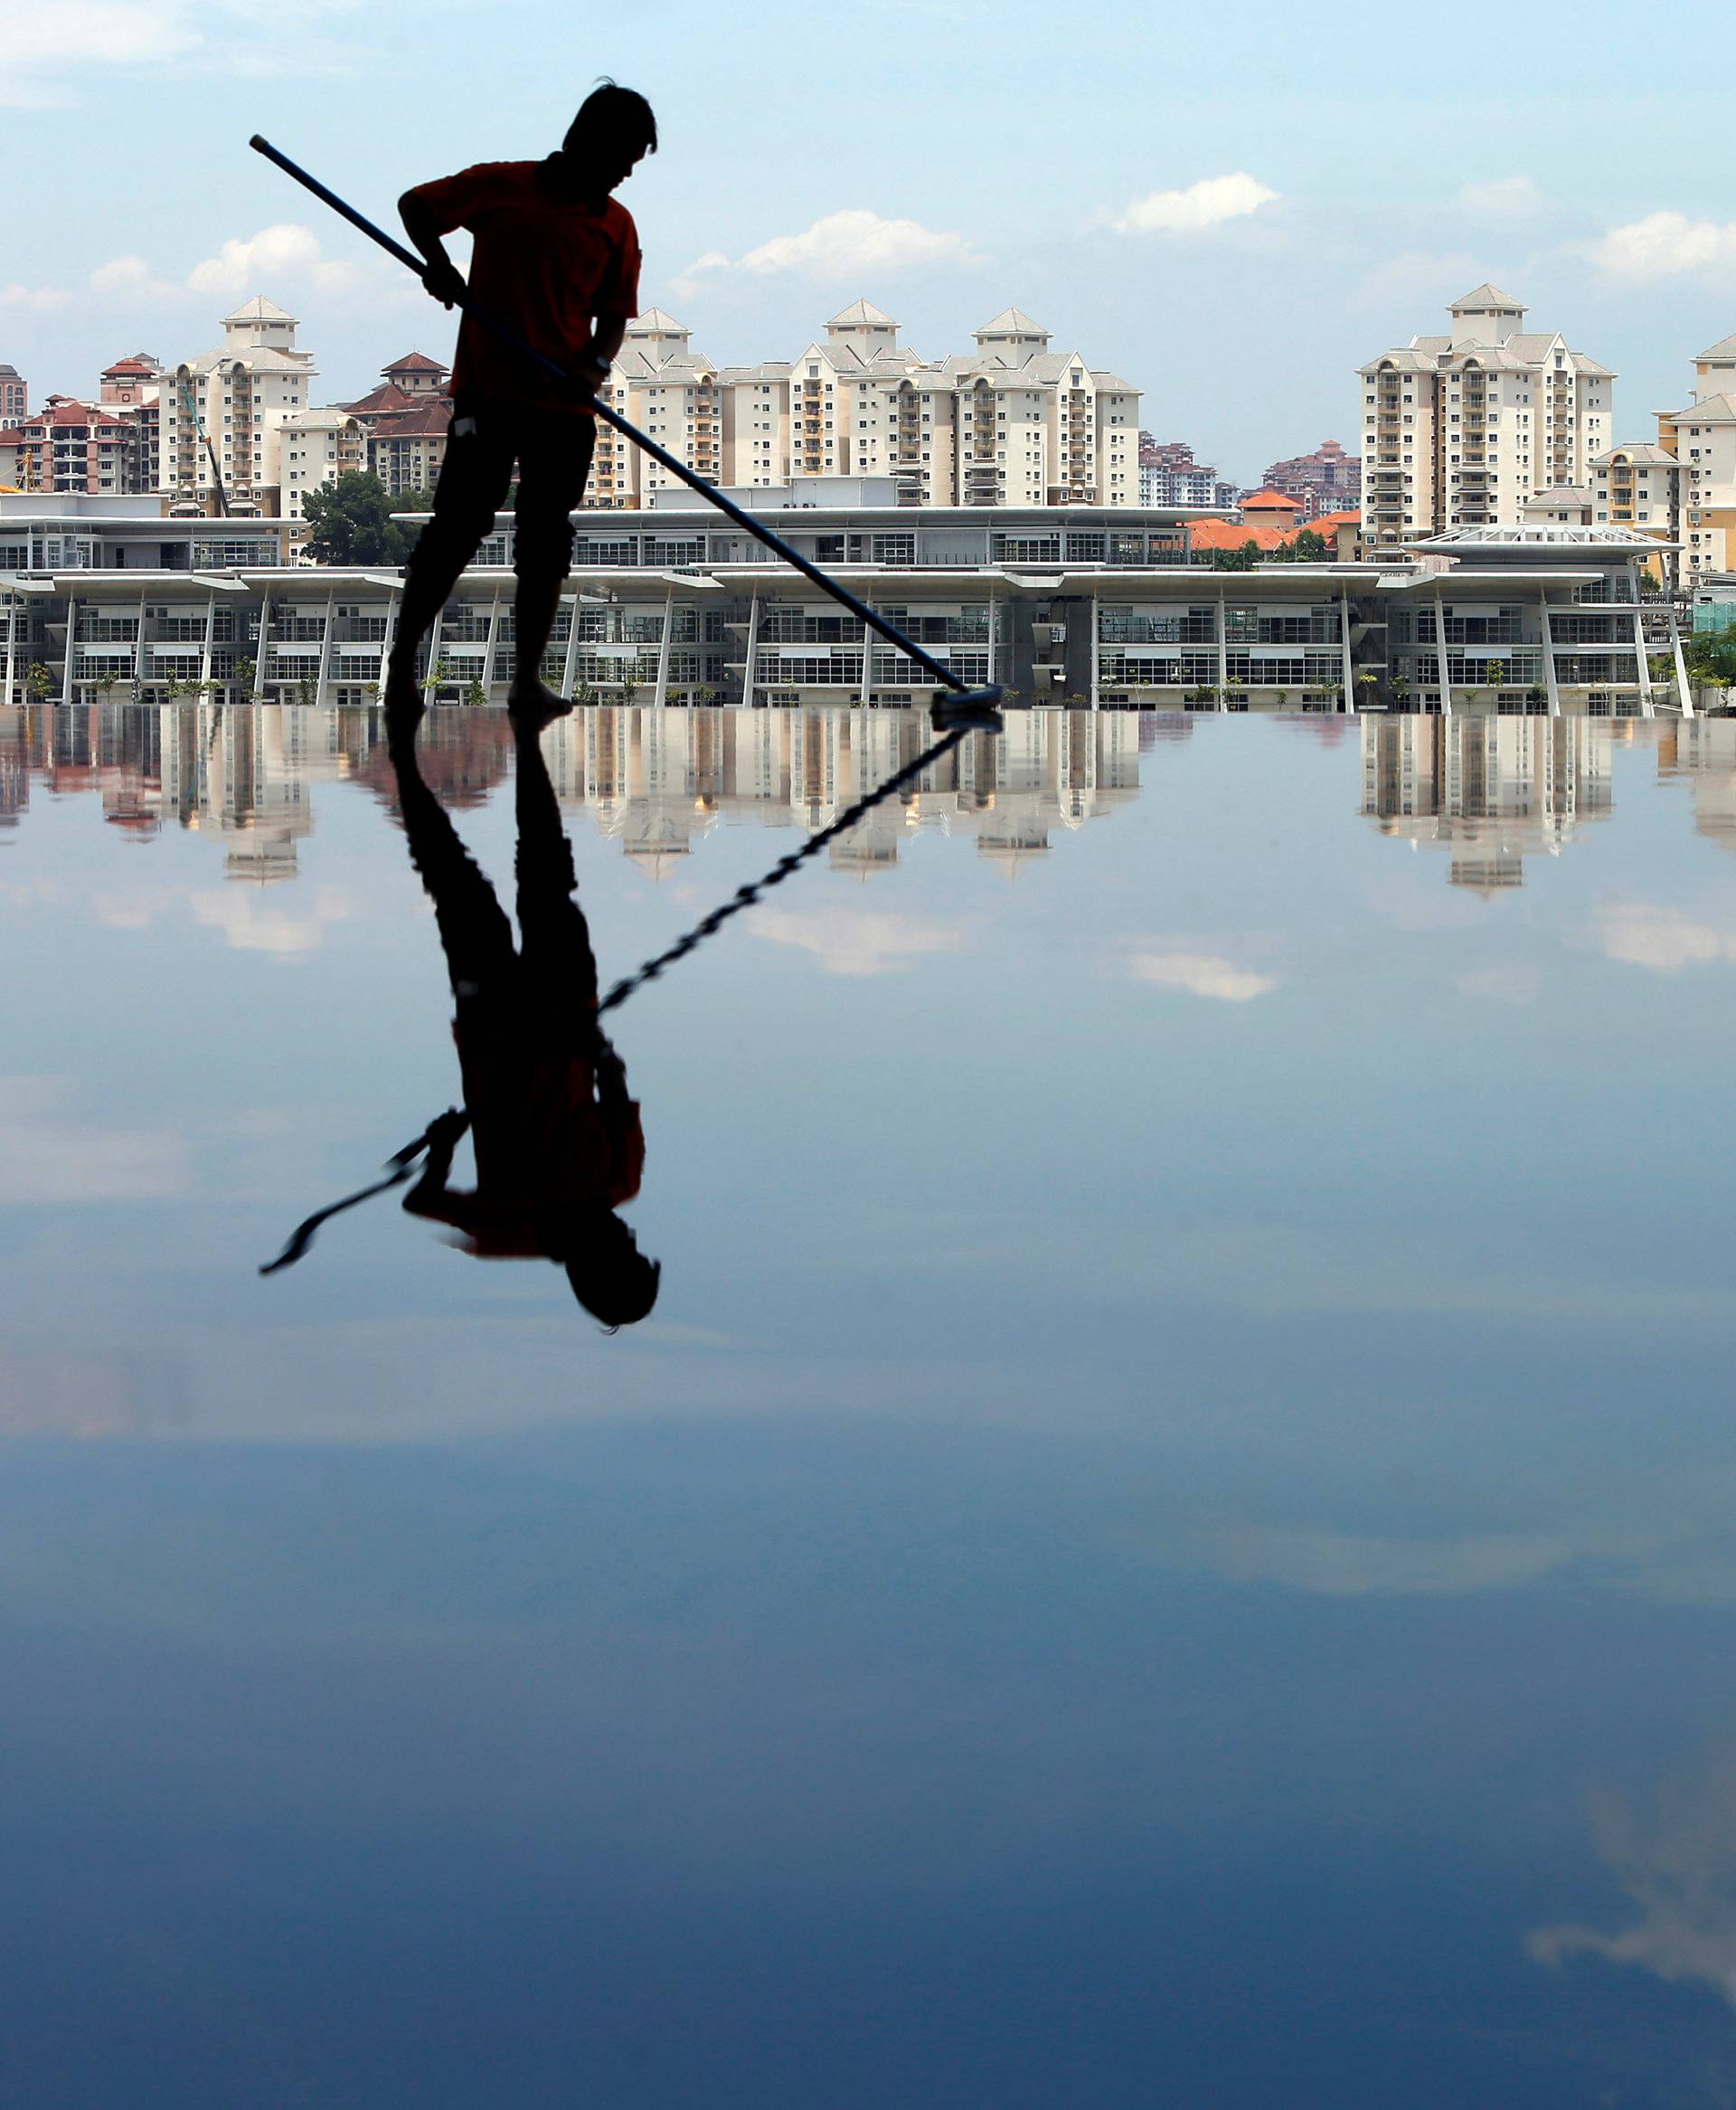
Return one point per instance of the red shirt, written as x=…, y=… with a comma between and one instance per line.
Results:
x=542, y=263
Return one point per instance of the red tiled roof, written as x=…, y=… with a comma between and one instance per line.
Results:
x=414, y=362
x=1270, y=500
x=133, y=366
x=379, y=402
x=1225, y=535
x=428, y=420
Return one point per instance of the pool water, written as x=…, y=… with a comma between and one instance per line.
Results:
x=1171, y=1536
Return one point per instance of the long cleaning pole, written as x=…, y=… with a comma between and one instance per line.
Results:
x=875, y=622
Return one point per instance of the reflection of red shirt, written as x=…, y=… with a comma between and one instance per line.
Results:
x=543, y=1140
x=542, y=263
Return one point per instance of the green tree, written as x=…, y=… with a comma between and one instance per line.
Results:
x=37, y=682
x=1241, y=559
x=476, y=693
x=350, y=520
x=242, y=675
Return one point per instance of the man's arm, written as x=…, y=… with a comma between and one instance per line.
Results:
x=592, y=361
x=442, y=277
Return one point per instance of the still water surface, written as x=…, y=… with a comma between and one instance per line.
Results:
x=1170, y=1538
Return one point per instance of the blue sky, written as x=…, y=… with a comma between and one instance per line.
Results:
x=941, y=160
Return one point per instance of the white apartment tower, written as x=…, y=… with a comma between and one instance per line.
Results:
x=1011, y=423
x=237, y=398
x=1462, y=430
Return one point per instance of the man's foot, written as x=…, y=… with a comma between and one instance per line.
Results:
x=533, y=706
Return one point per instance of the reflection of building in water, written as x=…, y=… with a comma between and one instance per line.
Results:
x=1704, y=751
x=657, y=779
x=654, y=781
x=1493, y=791
x=243, y=774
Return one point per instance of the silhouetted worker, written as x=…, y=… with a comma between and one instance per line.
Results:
x=558, y=1142
x=556, y=258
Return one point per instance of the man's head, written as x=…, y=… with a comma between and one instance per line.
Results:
x=609, y=1274
x=613, y=132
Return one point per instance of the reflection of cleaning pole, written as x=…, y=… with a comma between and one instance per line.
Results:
x=971, y=706
x=398, y=1168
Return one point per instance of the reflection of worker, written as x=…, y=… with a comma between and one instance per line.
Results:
x=557, y=261
x=558, y=1143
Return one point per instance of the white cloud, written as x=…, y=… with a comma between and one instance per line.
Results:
x=1202, y=974
x=1662, y=938
x=1681, y=1873
x=856, y=942
x=285, y=251
x=1503, y=197
x=54, y=47
x=1509, y=984
x=1664, y=245
x=46, y=1157
x=1206, y=204
x=250, y=926
x=856, y=244
x=132, y=278
x=38, y=298
x=1338, y=1564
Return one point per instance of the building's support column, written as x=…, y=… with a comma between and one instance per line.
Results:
x=489, y=650
x=264, y=648
x=210, y=640
x=325, y=647
x=1223, y=647
x=753, y=645
x=1096, y=652
x=12, y=645
x=395, y=601
x=572, y=648
x=1647, y=704
x=1441, y=682
x=994, y=642
x=660, y=695
x=1683, y=694
x=71, y=647
x=1349, y=702
x=141, y=660
x=1549, y=682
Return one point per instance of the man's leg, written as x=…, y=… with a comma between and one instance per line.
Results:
x=551, y=487
x=474, y=476
x=553, y=935
x=476, y=938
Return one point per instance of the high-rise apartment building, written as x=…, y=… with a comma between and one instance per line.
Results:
x=1461, y=431
x=1169, y=476
x=222, y=413
x=14, y=396
x=1701, y=440
x=404, y=422
x=1328, y=480
x=70, y=446
x=1012, y=423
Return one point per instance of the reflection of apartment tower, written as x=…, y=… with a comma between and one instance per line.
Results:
x=1704, y=751
x=1461, y=430
x=1493, y=790
x=658, y=780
